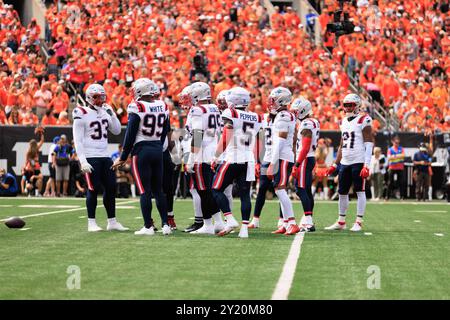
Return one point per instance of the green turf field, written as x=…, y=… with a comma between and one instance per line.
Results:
x=413, y=261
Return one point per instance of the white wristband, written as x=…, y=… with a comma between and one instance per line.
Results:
x=368, y=154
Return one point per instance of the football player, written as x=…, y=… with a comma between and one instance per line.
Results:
x=354, y=155
x=205, y=121
x=90, y=132
x=148, y=126
x=282, y=155
x=186, y=103
x=168, y=175
x=237, y=140
x=307, y=137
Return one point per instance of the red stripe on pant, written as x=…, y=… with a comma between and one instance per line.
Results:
x=302, y=176
x=220, y=175
x=199, y=177
x=89, y=182
x=136, y=175
x=283, y=174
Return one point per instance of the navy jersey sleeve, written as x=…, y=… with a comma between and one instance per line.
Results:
x=130, y=135
x=166, y=129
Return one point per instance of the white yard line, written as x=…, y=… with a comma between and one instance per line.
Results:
x=430, y=211
x=61, y=211
x=284, y=283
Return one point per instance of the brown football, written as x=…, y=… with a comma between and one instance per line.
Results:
x=15, y=222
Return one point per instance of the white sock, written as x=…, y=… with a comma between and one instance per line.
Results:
x=244, y=225
x=326, y=191
x=133, y=190
x=228, y=192
x=218, y=218
x=92, y=221
x=170, y=214
x=359, y=219
x=112, y=220
x=430, y=193
x=36, y=192
x=207, y=222
x=197, y=204
x=361, y=204
x=308, y=219
x=372, y=191
x=286, y=204
x=255, y=218
x=313, y=190
x=343, y=207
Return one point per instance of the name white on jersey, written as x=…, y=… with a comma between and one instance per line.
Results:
x=153, y=117
x=353, y=150
x=246, y=126
x=207, y=119
x=96, y=127
x=314, y=126
x=284, y=122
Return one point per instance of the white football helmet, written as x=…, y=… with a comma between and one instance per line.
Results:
x=278, y=98
x=238, y=98
x=301, y=107
x=351, y=104
x=145, y=87
x=221, y=101
x=96, y=95
x=185, y=99
x=200, y=91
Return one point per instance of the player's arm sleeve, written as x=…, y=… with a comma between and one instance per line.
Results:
x=130, y=135
x=78, y=135
x=368, y=139
x=114, y=124
x=166, y=130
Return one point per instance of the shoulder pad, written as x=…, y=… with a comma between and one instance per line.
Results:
x=365, y=120
x=135, y=107
x=197, y=111
x=227, y=114
x=308, y=124
x=284, y=116
x=78, y=113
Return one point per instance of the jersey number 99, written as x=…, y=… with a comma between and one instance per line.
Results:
x=153, y=125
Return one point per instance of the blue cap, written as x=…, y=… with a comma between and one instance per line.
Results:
x=56, y=139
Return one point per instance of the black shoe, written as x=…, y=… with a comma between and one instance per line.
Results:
x=308, y=229
x=194, y=226
x=153, y=225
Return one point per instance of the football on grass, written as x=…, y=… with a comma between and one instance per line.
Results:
x=15, y=222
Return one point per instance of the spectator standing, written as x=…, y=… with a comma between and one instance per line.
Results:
x=32, y=169
x=8, y=184
x=377, y=172
x=60, y=161
x=422, y=161
x=396, y=158
x=50, y=186
x=42, y=98
x=60, y=51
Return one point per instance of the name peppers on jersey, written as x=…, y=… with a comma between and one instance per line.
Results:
x=246, y=125
x=313, y=125
x=353, y=150
x=205, y=118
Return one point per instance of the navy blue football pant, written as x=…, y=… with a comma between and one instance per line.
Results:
x=264, y=185
x=203, y=176
x=349, y=174
x=168, y=187
x=101, y=176
x=147, y=167
x=226, y=173
x=303, y=184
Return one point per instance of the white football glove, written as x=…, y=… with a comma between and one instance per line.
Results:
x=86, y=167
x=109, y=110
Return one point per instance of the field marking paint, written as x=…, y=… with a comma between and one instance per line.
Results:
x=62, y=206
x=417, y=221
x=126, y=207
x=6, y=205
x=81, y=217
x=431, y=211
x=61, y=211
x=439, y=234
x=24, y=229
x=367, y=233
x=284, y=283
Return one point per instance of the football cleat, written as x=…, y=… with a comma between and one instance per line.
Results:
x=145, y=232
x=292, y=229
x=280, y=230
x=116, y=226
x=356, y=227
x=231, y=222
x=243, y=233
x=93, y=227
x=225, y=231
x=218, y=227
x=308, y=228
x=205, y=230
x=280, y=222
x=193, y=227
x=337, y=226
x=254, y=224
x=166, y=230
x=171, y=222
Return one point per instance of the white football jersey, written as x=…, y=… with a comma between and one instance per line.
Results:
x=353, y=150
x=153, y=117
x=246, y=125
x=268, y=136
x=206, y=118
x=313, y=125
x=285, y=122
x=96, y=123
